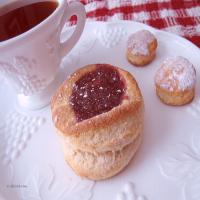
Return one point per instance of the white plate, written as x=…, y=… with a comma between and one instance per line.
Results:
x=167, y=165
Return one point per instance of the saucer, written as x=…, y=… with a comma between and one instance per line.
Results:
x=167, y=166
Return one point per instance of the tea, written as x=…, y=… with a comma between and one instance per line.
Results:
x=20, y=20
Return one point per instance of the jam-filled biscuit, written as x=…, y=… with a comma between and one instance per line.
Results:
x=141, y=48
x=98, y=113
x=175, y=81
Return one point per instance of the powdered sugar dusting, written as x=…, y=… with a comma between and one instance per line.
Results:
x=138, y=42
x=176, y=73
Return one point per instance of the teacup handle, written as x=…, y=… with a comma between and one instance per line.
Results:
x=77, y=9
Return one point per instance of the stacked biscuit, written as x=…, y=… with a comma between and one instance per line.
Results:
x=101, y=146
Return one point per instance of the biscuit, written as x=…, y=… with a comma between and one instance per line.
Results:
x=97, y=110
x=141, y=48
x=175, y=81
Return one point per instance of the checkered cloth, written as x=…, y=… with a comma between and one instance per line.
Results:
x=181, y=17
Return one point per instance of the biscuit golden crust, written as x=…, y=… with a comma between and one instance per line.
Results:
x=102, y=130
x=141, y=48
x=61, y=104
x=175, y=81
x=115, y=132
x=140, y=60
x=175, y=98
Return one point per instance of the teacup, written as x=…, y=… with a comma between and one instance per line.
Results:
x=30, y=61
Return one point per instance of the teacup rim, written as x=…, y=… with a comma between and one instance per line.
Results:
x=31, y=31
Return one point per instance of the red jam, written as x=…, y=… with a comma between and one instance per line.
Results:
x=97, y=92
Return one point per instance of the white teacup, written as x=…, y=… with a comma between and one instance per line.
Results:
x=30, y=61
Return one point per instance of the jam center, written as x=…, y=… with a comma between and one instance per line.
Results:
x=97, y=92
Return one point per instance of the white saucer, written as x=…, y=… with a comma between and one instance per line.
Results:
x=167, y=166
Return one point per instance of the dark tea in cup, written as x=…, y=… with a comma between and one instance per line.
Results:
x=19, y=20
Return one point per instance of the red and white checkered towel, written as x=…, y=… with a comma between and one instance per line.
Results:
x=181, y=17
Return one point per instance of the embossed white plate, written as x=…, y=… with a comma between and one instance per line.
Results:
x=167, y=165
